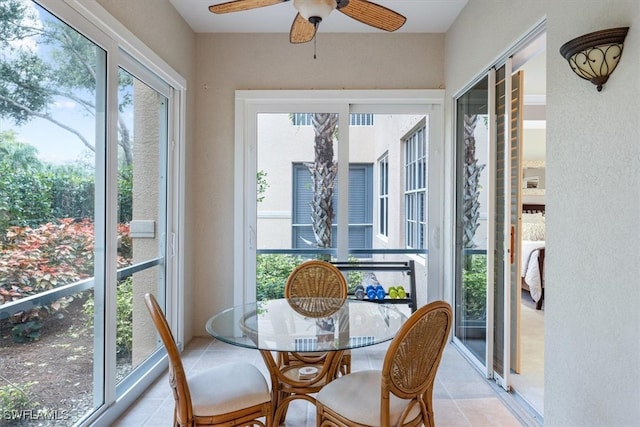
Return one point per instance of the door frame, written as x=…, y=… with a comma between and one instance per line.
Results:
x=512, y=59
x=249, y=103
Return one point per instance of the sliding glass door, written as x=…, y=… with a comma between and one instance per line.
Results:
x=336, y=180
x=488, y=138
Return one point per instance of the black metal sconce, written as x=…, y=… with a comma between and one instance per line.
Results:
x=594, y=56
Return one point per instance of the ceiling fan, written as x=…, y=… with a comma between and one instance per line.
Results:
x=312, y=12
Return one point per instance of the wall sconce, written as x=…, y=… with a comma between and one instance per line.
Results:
x=594, y=56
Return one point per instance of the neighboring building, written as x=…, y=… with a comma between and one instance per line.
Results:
x=387, y=188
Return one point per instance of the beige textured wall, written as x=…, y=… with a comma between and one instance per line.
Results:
x=159, y=26
x=592, y=334
x=593, y=171
x=146, y=196
x=228, y=62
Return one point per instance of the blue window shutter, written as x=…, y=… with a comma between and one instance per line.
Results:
x=360, y=206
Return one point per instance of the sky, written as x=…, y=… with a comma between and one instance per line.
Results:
x=54, y=144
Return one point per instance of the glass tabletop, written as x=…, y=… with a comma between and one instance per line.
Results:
x=307, y=324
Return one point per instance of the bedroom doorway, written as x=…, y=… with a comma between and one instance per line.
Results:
x=527, y=379
x=490, y=132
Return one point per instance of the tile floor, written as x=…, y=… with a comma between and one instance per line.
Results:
x=529, y=383
x=462, y=397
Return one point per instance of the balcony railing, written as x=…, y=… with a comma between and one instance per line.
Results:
x=43, y=298
x=334, y=251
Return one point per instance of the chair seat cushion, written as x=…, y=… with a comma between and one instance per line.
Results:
x=227, y=388
x=357, y=397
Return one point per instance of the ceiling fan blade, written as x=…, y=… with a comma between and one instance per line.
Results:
x=302, y=31
x=373, y=14
x=240, y=5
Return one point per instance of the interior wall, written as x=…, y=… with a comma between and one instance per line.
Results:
x=593, y=171
x=149, y=21
x=229, y=62
x=592, y=344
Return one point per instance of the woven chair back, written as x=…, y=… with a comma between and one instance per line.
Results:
x=177, y=377
x=412, y=360
x=316, y=278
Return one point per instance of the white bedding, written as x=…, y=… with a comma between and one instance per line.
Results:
x=530, y=269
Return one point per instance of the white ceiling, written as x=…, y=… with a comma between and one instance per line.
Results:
x=423, y=16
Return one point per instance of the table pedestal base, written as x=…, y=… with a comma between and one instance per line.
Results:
x=286, y=385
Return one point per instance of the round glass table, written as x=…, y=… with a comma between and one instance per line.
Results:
x=305, y=325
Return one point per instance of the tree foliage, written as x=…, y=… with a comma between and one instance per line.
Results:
x=47, y=210
x=17, y=154
x=272, y=271
x=63, y=67
x=474, y=294
x=262, y=185
x=34, y=193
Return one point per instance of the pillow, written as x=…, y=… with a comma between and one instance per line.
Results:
x=533, y=230
x=537, y=217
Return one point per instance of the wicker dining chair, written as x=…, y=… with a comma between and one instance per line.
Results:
x=315, y=278
x=233, y=393
x=401, y=393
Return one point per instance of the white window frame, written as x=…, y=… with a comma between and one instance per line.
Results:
x=415, y=149
x=383, y=195
x=249, y=104
x=355, y=119
x=121, y=45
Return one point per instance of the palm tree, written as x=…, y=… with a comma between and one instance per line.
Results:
x=472, y=170
x=323, y=173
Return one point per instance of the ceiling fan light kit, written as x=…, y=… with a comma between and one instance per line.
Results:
x=314, y=8
x=312, y=12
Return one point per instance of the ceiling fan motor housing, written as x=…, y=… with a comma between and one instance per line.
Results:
x=314, y=8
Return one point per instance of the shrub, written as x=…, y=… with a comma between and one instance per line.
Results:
x=475, y=287
x=15, y=399
x=124, y=317
x=24, y=196
x=125, y=194
x=72, y=191
x=34, y=260
x=272, y=271
x=30, y=196
x=38, y=259
x=354, y=277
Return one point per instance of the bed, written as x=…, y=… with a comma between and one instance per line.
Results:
x=533, y=251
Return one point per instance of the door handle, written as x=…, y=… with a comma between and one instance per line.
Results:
x=513, y=241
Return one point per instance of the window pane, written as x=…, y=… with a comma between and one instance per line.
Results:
x=472, y=142
x=383, y=195
x=296, y=201
x=416, y=162
x=52, y=143
x=141, y=210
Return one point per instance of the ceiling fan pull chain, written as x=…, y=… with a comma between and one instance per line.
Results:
x=314, y=47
